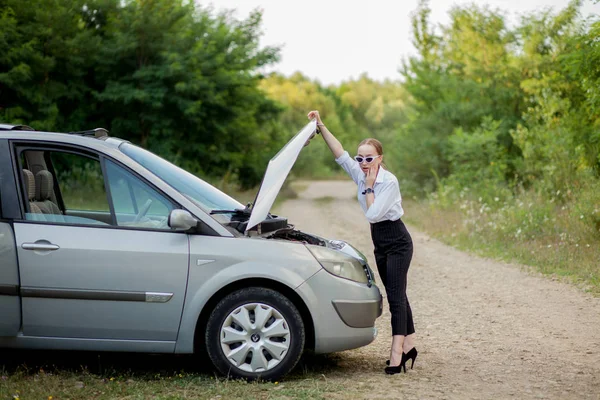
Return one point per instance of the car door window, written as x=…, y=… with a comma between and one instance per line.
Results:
x=136, y=204
x=80, y=181
x=64, y=187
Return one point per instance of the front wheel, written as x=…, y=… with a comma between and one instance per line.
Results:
x=255, y=333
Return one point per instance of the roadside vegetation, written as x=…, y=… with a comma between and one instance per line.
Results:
x=504, y=137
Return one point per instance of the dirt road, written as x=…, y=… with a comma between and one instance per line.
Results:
x=485, y=329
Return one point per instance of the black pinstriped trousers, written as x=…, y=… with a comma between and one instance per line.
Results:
x=393, y=253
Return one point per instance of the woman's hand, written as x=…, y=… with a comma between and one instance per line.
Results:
x=371, y=176
x=334, y=145
x=311, y=115
x=315, y=114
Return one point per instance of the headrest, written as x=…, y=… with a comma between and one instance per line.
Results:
x=29, y=184
x=44, y=184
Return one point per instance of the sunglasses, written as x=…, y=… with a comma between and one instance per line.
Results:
x=368, y=159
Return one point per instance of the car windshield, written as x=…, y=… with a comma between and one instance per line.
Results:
x=204, y=195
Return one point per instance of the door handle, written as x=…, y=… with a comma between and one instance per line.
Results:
x=40, y=246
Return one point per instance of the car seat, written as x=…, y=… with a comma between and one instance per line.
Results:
x=44, y=189
x=29, y=182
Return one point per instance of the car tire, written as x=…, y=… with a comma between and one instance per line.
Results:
x=255, y=333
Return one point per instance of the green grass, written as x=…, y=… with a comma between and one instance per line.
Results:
x=556, y=240
x=77, y=375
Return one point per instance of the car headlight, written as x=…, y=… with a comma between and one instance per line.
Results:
x=339, y=264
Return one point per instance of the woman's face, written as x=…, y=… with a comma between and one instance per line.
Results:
x=365, y=151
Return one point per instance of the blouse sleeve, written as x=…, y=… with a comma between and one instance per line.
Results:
x=350, y=166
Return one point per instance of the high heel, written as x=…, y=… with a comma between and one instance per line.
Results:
x=397, y=369
x=411, y=355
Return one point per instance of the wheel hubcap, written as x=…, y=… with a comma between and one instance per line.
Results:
x=255, y=337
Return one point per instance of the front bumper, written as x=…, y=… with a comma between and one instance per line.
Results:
x=343, y=311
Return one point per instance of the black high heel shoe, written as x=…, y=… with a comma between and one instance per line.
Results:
x=411, y=355
x=397, y=369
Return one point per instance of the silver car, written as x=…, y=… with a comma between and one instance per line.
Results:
x=105, y=246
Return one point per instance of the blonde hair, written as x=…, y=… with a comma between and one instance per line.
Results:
x=378, y=147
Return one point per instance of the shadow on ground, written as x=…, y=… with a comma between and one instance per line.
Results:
x=137, y=365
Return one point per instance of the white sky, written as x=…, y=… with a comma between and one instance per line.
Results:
x=336, y=40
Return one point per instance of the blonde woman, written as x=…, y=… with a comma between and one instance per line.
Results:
x=380, y=199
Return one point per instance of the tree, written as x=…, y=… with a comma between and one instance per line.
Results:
x=187, y=80
x=45, y=53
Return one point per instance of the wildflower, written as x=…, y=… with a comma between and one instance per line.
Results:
x=549, y=246
x=581, y=216
x=496, y=199
x=112, y=379
x=50, y=397
x=563, y=236
x=277, y=383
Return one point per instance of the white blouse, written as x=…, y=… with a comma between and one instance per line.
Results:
x=388, y=201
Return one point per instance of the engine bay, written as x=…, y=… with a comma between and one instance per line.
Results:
x=294, y=235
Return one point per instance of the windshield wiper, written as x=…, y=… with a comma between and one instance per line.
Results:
x=244, y=211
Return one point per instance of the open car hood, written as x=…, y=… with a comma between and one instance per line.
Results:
x=277, y=171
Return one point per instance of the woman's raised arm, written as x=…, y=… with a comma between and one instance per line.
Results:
x=334, y=145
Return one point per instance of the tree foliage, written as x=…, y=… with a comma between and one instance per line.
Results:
x=166, y=74
x=532, y=89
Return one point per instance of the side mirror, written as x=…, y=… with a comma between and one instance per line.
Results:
x=182, y=220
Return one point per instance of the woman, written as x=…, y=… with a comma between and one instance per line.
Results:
x=379, y=197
